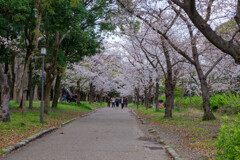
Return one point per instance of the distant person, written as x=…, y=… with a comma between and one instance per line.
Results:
x=108, y=101
x=113, y=102
x=122, y=102
x=125, y=101
x=161, y=105
x=117, y=102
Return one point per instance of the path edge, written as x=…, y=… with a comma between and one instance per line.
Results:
x=41, y=133
x=169, y=149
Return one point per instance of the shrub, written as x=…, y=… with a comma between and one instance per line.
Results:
x=228, y=144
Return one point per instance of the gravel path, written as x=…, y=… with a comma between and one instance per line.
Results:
x=108, y=134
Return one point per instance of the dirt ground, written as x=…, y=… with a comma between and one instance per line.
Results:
x=178, y=138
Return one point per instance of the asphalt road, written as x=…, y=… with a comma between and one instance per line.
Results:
x=108, y=134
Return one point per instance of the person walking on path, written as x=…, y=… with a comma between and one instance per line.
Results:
x=122, y=102
x=125, y=101
x=117, y=102
x=113, y=102
x=108, y=101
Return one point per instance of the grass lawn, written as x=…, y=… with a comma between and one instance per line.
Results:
x=187, y=123
x=22, y=126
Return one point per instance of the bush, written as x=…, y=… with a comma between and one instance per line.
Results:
x=222, y=100
x=228, y=144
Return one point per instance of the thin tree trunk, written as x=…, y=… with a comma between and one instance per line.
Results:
x=182, y=93
x=78, y=93
x=91, y=94
x=156, y=96
x=60, y=97
x=30, y=87
x=5, y=97
x=57, y=88
x=101, y=96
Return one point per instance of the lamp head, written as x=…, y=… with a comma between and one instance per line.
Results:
x=43, y=50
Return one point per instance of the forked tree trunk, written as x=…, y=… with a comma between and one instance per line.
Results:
x=29, y=58
x=5, y=97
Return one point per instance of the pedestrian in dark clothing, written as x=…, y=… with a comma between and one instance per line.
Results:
x=122, y=103
x=108, y=101
x=125, y=101
x=117, y=102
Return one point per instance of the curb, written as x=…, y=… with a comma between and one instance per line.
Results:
x=29, y=139
x=169, y=149
x=41, y=133
x=64, y=123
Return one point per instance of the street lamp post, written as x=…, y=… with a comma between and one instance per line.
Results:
x=43, y=53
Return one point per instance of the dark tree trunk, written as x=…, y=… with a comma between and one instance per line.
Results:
x=169, y=84
x=149, y=95
x=30, y=87
x=91, y=94
x=101, y=96
x=47, y=92
x=156, y=96
x=182, y=93
x=57, y=88
x=78, y=93
x=5, y=97
x=137, y=96
x=208, y=115
x=145, y=97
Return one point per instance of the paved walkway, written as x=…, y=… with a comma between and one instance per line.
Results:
x=108, y=134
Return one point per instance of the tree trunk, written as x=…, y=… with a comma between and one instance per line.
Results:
x=30, y=87
x=149, y=95
x=156, y=96
x=169, y=104
x=137, y=96
x=101, y=96
x=78, y=93
x=57, y=88
x=169, y=83
x=5, y=97
x=18, y=82
x=29, y=58
x=91, y=94
x=145, y=97
x=60, y=97
x=24, y=90
x=47, y=92
x=35, y=96
x=208, y=115
x=182, y=93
